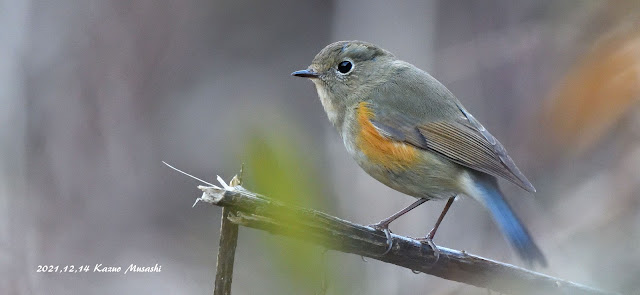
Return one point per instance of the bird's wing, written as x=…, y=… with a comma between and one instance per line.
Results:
x=463, y=140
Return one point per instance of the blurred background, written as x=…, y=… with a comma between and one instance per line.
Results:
x=95, y=94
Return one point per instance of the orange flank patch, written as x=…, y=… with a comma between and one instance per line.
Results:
x=380, y=150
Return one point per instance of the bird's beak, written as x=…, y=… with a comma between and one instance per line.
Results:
x=305, y=73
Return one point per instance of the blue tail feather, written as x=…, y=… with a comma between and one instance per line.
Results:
x=508, y=222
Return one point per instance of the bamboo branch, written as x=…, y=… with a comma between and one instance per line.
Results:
x=227, y=248
x=226, y=254
x=259, y=212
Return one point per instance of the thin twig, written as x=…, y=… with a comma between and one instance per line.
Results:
x=255, y=211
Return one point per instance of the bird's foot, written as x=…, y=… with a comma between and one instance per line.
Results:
x=429, y=241
x=384, y=227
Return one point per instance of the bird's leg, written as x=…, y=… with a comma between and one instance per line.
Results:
x=432, y=233
x=429, y=238
x=383, y=225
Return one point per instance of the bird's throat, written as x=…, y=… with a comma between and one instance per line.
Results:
x=328, y=105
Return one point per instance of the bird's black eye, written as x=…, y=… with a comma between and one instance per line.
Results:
x=345, y=67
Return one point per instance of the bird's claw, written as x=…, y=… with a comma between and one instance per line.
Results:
x=429, y=241
x=387, y=233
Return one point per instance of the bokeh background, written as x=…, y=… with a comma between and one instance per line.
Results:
x=95, y=94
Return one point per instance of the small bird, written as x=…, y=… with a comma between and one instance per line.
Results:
x=408, y=131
